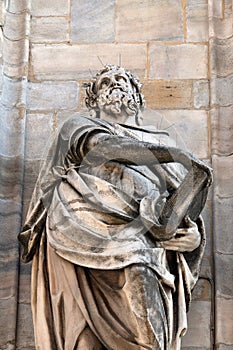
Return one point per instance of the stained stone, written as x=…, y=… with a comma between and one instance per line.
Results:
x=199, y=331
x=201, y=93
x=170, y=94
x=223, y=175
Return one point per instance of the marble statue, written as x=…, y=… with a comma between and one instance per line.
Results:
x=114, y=229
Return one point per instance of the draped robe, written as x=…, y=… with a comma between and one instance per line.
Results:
x=99, y=279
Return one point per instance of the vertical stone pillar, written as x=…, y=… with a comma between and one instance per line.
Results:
x=221, y=71
x=12, y=118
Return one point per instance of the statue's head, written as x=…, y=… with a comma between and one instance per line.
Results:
x=116, y=92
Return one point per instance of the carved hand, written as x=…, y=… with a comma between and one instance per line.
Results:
x=185, y=240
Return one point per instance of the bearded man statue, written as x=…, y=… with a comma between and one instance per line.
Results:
x=114, y=229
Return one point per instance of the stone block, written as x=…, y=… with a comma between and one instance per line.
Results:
x=225, y=347
x=222, y=89
x=25, y=334
x=7, y=322
x=206, y=267
x=50, y=8
x=224, y=280
x=217, y=8
x=202, y=291
x=224, y=321
x=223, y=175
x=95, y=21
x=168, y=94
x=188, y=128
x=197, y=20
x=39, y=135
x=199, y=325
x=15, y=55
x=223, y=210
x=16, y=25
x=52, y=96
x=228, y=8
x=222, y=56
x=10, y=214
x=11, y=177
x=185, y=61
x=150, y=20
x=221, y=28
x=49, y=29
x=222, y=130
x=24, y=295
x=15, y=6
x=82, y=62
x=201, y=94
x=13, y=95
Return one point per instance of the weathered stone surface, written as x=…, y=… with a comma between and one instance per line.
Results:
x=225, y=347
x=224, y=280
x=167, y=94
x=160, y=20
x=10, y=215
x=188, y=128
x=95, y=23
x=24, y=295
x=11, y=177
x=223, y=225
x=221, y=28
x=15, y=57
x=39, y=135
x=52, y=96
x=217, y=8
x=50, y=8
x=8, y=309
x=13, y=95
x=12, y=128
x=202, y=290
x=49, y=29
x=71, y=61
x=222, y=130
x=228, y=8
x=222, y=89
x=201, y=93
x=16, y=6
x=16, y=26
x=222, y=56
x=185, y=61
x=224, y=326
x=197, y=20
x=199, y=325
x=25, y=336
x=223, y=175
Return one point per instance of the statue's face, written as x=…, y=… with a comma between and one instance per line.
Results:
x=115, y=94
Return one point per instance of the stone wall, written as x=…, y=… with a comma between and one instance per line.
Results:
x=182, y=51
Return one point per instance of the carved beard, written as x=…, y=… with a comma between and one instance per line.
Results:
x=117, y=101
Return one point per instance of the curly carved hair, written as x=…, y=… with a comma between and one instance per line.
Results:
x=91, y=92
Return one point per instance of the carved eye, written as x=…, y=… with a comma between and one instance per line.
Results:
x=104, y=83
x=120, y=79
